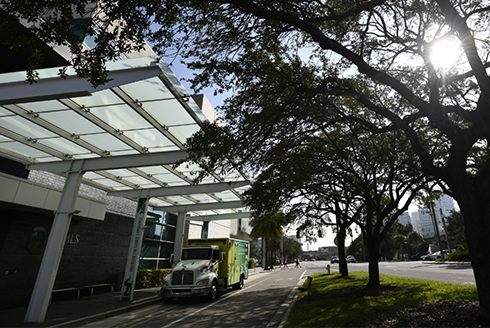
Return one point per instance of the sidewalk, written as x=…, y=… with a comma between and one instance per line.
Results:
x=83, y=310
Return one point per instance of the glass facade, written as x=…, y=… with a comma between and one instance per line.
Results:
x=158, y=240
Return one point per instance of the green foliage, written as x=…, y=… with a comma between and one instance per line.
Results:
x=463, y=256
x=339, y=311
x=291, y=249
x=254, y=249
x=411, y=246
x=268, y=227
x=251, y=264
x=364, y=76
x=357, y=248
x=147, y=278
x=456, y=230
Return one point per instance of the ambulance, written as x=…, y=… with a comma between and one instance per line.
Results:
x=207, y=268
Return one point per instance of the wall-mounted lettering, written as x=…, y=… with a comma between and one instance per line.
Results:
x=73, y=238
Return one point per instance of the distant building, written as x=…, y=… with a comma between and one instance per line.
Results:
x=423, y=222
x=323, y=253
x=404, y=218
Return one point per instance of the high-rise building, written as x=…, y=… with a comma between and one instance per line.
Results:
x=404, y=218
x=423, y=222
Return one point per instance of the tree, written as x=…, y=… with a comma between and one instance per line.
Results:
x=455, y=229
x=254, y=250
x=267, y=227
x=388, y=247
x=443, y=112
x=360, y=178
x=357, y=249
x=291, y=249
x=376, y=54
x=400, y=241
x=116, y=27
x=414, y=240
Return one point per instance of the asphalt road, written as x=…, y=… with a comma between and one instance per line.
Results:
x=255, y=305
x=262, y=301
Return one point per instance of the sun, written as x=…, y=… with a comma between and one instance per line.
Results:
x=446, y=54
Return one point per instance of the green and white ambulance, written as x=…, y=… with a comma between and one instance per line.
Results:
x=207, y=267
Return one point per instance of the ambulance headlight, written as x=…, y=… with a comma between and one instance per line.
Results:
x=202, y=282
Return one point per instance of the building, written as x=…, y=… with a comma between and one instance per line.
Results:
x=92, y=180
x=404, y=218
x=423, y=222
x=323, y=253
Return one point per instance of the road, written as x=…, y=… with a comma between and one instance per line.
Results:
x=255, y=305
x=262, y=301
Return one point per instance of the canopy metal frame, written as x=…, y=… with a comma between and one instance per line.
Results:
x=127, y=137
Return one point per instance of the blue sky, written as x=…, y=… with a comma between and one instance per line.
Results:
x=182, y=73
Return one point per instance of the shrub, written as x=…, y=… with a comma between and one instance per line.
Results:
x=147, y=278
x=459, y=256
x=251, y=264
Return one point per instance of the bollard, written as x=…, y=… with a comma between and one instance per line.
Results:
x=328, y=268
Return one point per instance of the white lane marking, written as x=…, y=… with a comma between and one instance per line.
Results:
x=214, y=303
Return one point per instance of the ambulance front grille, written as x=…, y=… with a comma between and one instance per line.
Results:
x=182, y=277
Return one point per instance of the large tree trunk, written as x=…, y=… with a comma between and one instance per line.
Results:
x=372, y=244
x=264, y=253
x=344, y=270
x=476, y=212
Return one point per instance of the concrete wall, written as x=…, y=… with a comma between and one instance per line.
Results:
x=95, y=252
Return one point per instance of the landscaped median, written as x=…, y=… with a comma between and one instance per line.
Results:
x=398, y=302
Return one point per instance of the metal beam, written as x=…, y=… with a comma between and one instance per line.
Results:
x=214, y=217
x=38, y=305
x=178, y=190
x=132, y=263
x=200, y=207
x=110, y=163
x=55, y=87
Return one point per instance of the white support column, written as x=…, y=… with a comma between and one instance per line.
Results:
x=38, y=305
x=205, y=229
x=179, y=236
x=127, y=290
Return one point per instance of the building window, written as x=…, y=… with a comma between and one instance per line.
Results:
x=80, y=28
x=158, y=240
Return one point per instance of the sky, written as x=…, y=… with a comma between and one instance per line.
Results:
x=328, y=239
x=182, y=72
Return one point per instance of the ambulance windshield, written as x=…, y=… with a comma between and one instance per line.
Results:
x=197, y=254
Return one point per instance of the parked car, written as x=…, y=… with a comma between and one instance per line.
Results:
x=418, y=255
x=434, y=256
x=437, y=255
x=427, y=257
x=350, y=259
x=334, y=259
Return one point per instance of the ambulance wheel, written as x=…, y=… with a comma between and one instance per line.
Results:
x=240, y=284
x=213, y=292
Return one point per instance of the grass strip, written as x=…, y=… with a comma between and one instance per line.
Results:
x=335, y=301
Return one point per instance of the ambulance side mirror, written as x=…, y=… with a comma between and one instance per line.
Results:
x=216, y=255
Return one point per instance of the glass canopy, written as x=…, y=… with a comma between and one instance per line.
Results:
x=143, y=110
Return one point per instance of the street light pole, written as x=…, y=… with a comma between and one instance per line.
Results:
x=436, y=227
